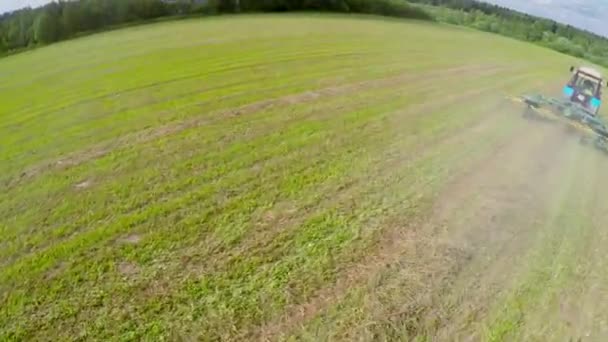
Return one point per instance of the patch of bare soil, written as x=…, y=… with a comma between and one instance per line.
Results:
x=128, y=268
x=83, y=185
x=55, y=271
x=132, y=239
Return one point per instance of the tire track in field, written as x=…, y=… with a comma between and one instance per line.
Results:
x=414, y=108
x=411, y=189
x=418, y=151
x=497, y=211
x=285, y=217
x=587, y=313
x=542, y=299
x=572, y=297
x=414, y=241
x=275, y=222
x=408, y=110
x=148, y=135
x=421, y=107
x=444, y=104
x=490, y=216
x=150, y=85
x=394, y=155
x=583, y=307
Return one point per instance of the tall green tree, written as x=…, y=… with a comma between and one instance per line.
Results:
x=3, y=45
x=47, y=28
x=71, y=18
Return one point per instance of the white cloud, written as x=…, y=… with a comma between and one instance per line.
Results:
x=587, y=14
x=11, y=5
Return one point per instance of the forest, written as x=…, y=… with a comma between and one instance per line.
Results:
x=491, y=18
x=62, y=20
x=27, y=28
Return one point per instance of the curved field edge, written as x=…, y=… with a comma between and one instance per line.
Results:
x=285, y=183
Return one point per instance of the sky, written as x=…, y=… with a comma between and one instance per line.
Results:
x=586, y=14
x=10, y=5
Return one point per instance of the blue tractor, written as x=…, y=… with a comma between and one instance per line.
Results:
x=585, y=89
x=578, y=108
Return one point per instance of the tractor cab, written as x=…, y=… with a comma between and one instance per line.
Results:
x=585, y=89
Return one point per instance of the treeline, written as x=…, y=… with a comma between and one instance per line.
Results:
x=395, y=8
x=65, y=19
x=500, y=20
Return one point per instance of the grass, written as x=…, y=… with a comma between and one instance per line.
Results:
x=204, y=178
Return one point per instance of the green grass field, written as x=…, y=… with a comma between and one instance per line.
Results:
x=294, y=177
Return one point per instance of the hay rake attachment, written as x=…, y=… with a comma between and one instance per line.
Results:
x=578, y=111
